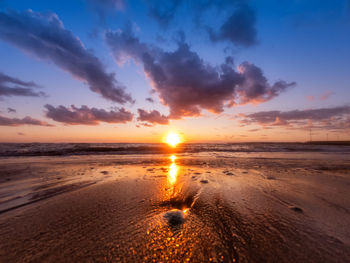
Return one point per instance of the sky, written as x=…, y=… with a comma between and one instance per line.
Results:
x=212, y=71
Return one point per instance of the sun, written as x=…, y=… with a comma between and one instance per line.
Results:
x=173, y=139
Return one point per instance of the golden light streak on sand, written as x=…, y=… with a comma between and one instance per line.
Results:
x=172, y=173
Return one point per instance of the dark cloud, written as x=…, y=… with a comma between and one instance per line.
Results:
x=187, y=84
x=44, y=36
x=5, y=121
x=87, y=116
x=150, y=100
x=163, y=11
x=255, y=87
x=238, y=26
x=331, y=118
x=125, y=45
x=11, y=110
x=10, y=86
x=152, y=117
x=238, y=29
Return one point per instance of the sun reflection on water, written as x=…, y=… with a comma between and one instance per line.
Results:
x=172, y=171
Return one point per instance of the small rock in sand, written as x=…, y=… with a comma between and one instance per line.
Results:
x=229, y=173
x=296, y=209
x=204, y=181
x=175, y=217
x=271, y=178
x=104, y=172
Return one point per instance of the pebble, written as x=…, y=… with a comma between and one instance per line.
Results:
x=296, y=209
x=175, y=217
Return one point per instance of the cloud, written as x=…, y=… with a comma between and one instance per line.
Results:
x=11, y=110
x=125, y=45
x=87, y=116
x=238, y=29
x=310, y=98
x=322, y=97
x=150, y=100
x=5, y=121
x=326, y=95
x=44, y=36
x=238, y=26
x=163, y=11
x=187, y=84
x=10, y=86
x=330, y=118
x=255, y=87
x=152, y=117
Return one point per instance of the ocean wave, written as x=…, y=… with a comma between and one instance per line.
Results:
x=64, y=149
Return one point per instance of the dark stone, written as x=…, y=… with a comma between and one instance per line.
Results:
x=175, y=217
x=296, y=209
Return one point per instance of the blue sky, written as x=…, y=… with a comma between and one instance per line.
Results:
x=306, y=42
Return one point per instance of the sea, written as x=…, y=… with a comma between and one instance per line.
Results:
x=229, y=149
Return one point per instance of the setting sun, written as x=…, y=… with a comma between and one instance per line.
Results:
x=173, y=139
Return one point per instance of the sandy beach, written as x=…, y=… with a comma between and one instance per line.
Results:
x=197, y=208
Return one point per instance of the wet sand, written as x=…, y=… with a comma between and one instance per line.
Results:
x=196, y=208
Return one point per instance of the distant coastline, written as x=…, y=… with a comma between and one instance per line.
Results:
x=339, y=143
